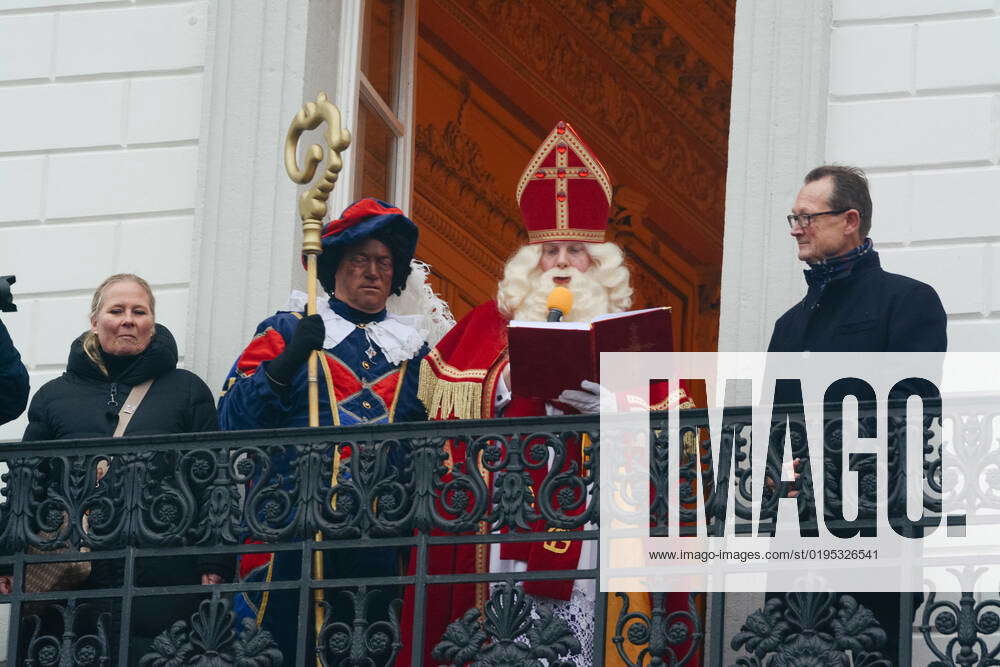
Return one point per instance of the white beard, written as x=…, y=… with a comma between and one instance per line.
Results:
x=590, y=298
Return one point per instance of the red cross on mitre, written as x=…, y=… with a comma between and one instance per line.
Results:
x=564, y=193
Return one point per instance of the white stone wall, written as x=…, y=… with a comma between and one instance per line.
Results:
x=146, y=136
x=911, y=93
x=915, y=100
x=100, y=102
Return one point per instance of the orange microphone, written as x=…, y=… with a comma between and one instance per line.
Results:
x=559, y=303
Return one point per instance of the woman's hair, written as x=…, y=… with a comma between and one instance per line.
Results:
x=521, y=272
x=91, y=345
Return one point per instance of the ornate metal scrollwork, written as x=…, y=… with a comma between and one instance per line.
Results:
x=695, y=463
x=210, y=640
x=795, y=432
x=531, y=476
x=455, y=504
x=64, y=503
x=372, y=495
x=694, y=473
x=64, y=489
x=568, y=485
x=672, y=638
x=460, y=493
x=71, y=647
x=216, y=494
x=962, y=627
x=359, y=642
x=219, y=512
x=811, y=629
x=145, y=499
x=507, y=633
x=972, y=480
x=511, y=463
x=289, y=491
x=292, y=494
x=21, y=483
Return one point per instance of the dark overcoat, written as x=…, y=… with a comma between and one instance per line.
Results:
x=866, y=310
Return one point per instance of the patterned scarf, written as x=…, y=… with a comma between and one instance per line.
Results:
x=820, y=274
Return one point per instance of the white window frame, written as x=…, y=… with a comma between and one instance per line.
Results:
x=354, y=89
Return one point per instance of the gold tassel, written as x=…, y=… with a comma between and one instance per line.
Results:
x=445, y=398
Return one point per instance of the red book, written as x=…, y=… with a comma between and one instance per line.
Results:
x=548, y=357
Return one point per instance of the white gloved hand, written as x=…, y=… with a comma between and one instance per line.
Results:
x=587, y=399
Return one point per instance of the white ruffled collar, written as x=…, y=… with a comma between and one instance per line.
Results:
x=396, y=335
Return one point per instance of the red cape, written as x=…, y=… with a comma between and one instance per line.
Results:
x=458, y=380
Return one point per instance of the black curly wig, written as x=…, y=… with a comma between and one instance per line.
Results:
x=398, y=242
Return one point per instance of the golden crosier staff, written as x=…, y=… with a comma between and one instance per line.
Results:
x=312, y=210
x=312, y=202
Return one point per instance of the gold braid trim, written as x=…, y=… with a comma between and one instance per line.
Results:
x=678, y=398
x=267, y=594
x=399, y=387
x=445, y=397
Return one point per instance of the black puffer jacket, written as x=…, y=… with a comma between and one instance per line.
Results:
x=76, y=405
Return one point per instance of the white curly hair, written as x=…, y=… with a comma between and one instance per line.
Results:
x=521, y=274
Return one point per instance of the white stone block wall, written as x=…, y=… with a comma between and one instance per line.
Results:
x=100, y=102
x=913, y=96
x=915, y=100
x=910, y=91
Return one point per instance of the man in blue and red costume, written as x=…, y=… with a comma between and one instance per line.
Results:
x=564, y=195
x=368, y=375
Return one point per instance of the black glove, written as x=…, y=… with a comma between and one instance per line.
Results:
x=308, y=336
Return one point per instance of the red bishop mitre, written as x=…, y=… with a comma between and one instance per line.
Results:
x=564, y=193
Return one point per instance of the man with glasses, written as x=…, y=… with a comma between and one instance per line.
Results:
x=852, y=305
x=372, y=354
x=368, y=374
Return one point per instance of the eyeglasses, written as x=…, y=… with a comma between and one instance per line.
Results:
x=803, y=220
x=362, y=261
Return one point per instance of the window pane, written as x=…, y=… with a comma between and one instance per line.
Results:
x=380, y=48
x=376, y=146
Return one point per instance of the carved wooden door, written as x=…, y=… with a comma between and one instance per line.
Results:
x=645, y=83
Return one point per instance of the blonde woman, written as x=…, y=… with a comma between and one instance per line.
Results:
x=125, y=347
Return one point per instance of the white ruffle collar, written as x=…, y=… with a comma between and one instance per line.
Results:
x=396, y=335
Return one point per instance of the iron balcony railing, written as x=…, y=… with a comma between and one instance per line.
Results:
x=403, y=488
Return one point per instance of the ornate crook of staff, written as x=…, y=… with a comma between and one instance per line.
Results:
x=312, y=203
x=312, y=210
